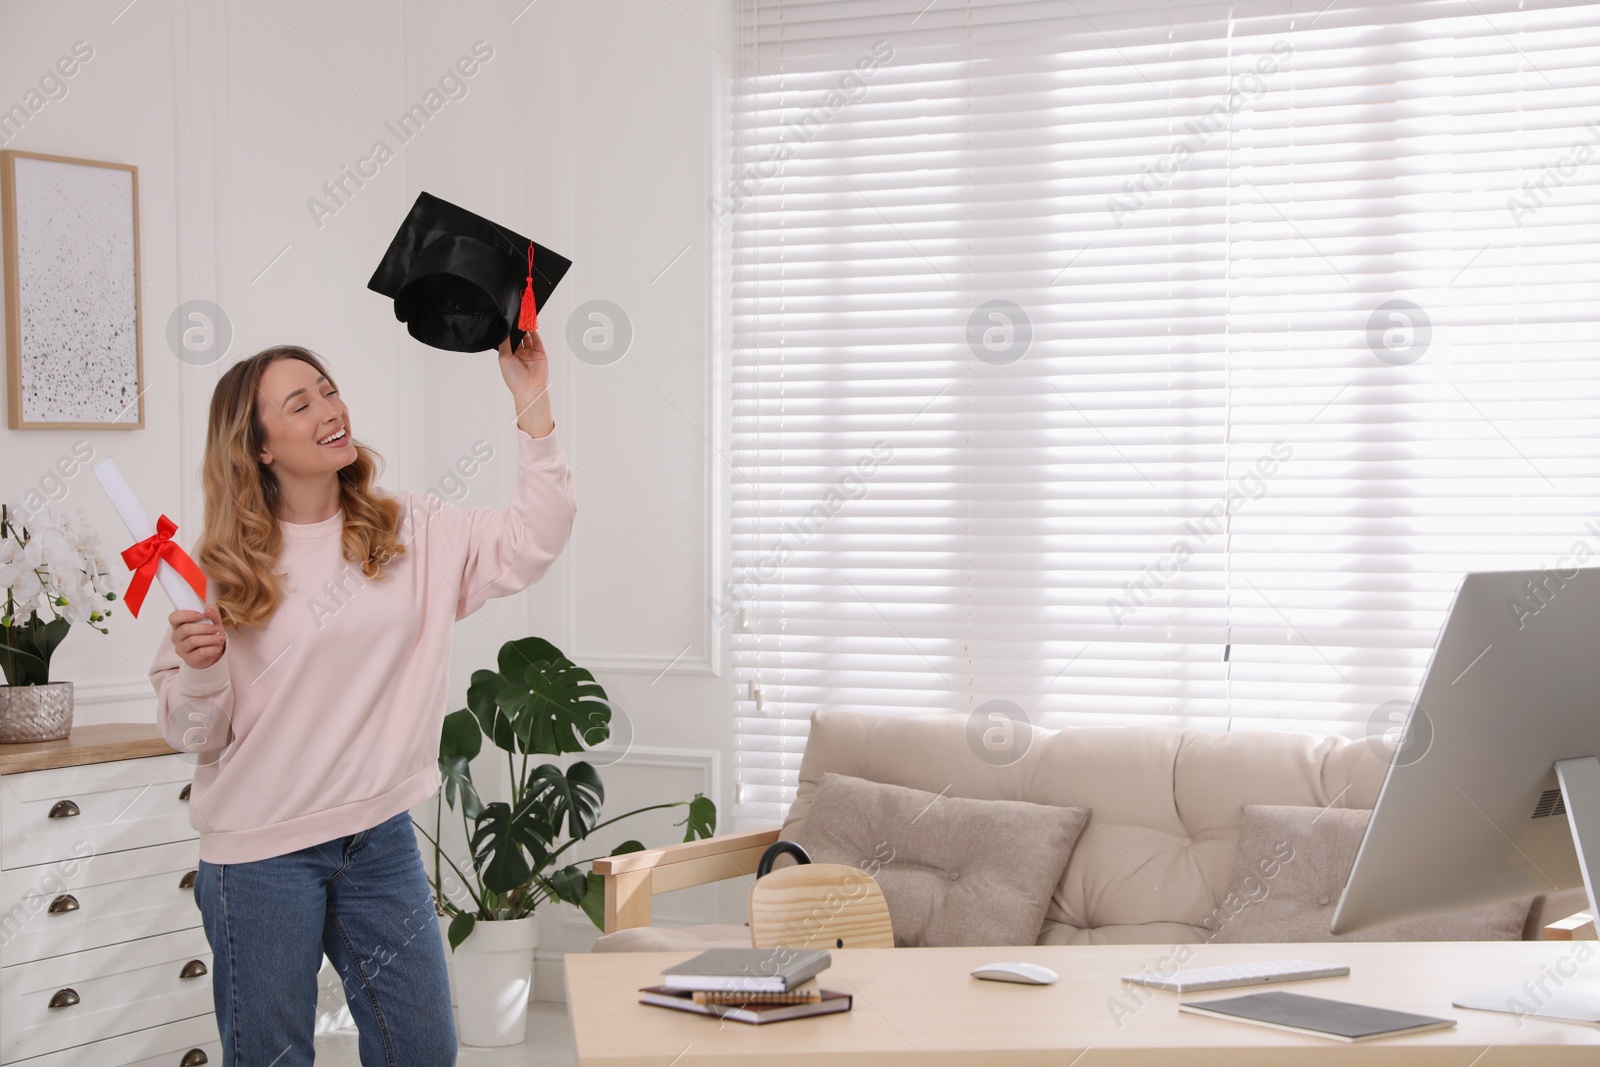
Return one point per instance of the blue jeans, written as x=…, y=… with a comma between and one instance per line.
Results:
x=362, y=899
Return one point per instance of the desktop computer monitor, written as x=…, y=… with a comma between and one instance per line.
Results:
x=1493, y=791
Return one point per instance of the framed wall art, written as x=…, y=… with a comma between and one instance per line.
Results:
x=74, y=358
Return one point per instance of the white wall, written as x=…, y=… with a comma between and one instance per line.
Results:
x=591, y=128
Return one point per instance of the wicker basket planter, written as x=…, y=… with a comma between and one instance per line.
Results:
x=35, y=712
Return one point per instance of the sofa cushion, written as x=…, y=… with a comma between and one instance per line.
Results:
x=1292, y=864
x=954, y=871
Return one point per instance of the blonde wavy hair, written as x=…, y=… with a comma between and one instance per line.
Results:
x=239, y=547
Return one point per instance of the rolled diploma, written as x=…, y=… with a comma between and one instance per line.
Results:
x=140, y=526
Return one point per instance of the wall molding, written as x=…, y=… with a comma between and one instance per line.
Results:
x=719, y=328
x=653, y=665
x=707, y=661
x=89, y=693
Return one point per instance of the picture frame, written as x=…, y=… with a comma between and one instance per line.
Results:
x=74, y=345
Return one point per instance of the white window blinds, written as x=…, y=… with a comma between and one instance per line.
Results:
x=1146, y=363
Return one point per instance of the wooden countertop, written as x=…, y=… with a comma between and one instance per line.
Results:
x=97, y=743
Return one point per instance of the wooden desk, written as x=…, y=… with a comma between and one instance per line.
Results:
x=920, y=1008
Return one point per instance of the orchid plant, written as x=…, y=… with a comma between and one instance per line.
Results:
x=47, y=563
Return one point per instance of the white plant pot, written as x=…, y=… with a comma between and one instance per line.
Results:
x=492, y=981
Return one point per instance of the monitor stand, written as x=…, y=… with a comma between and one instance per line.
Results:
x=1554, y=994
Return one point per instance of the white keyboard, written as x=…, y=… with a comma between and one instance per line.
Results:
x=1193, y=979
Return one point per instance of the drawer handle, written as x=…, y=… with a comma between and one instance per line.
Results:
x=187, y=881
x=64, y=998
x=65, y=902
x=192, y=969
x=183, y=794
x=64, y=809
x=193, y=1058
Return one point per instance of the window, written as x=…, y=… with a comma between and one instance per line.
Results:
x=1115, y=363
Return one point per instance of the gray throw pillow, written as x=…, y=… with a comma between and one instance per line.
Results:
x=1292, y=865
x=954, y=871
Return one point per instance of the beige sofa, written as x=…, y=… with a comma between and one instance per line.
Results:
x=1152, y=865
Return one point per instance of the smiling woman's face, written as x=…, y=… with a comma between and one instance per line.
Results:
x=299, y=409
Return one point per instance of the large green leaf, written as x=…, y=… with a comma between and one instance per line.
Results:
x=28, y=649
x=30, y=669
x=595, y=727
x=574, y=797
x=460, y=740
x=460, y=927
x=570, y=884
x=52, y=634
x=557, y=706
x=24, y=645
x=461, y=735
x=492, y=702
x=594, y=900
x=702, y=820
x=504, y=840
x=455, y=774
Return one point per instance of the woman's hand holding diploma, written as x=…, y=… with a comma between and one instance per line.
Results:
x=527, y=373
x=198, y=639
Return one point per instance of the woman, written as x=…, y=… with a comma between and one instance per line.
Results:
x=312, y=691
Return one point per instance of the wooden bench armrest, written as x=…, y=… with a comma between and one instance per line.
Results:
x=634, y=877
x=1579, y=927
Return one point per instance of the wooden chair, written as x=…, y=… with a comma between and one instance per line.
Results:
x=816, y=905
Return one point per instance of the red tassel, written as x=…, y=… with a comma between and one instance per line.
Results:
x=528, y=316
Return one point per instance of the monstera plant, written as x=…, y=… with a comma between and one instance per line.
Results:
x=539, y=703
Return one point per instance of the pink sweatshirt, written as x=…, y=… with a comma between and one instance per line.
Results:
x=331, y=711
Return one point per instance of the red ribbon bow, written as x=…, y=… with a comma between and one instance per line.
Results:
x=143, y=557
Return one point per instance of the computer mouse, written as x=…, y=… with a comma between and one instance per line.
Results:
x=1026, y=973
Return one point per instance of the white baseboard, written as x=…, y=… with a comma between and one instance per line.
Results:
x=549, y=975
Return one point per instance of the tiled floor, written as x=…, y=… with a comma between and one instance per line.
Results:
x=548, y=1044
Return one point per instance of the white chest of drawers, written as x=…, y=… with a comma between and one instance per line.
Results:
x=103, y=958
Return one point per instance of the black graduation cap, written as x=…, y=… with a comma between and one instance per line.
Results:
x=463, y=283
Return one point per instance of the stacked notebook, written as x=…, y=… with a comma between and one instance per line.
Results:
x=749, y=985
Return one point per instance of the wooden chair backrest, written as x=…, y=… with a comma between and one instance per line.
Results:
x=819, y=905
